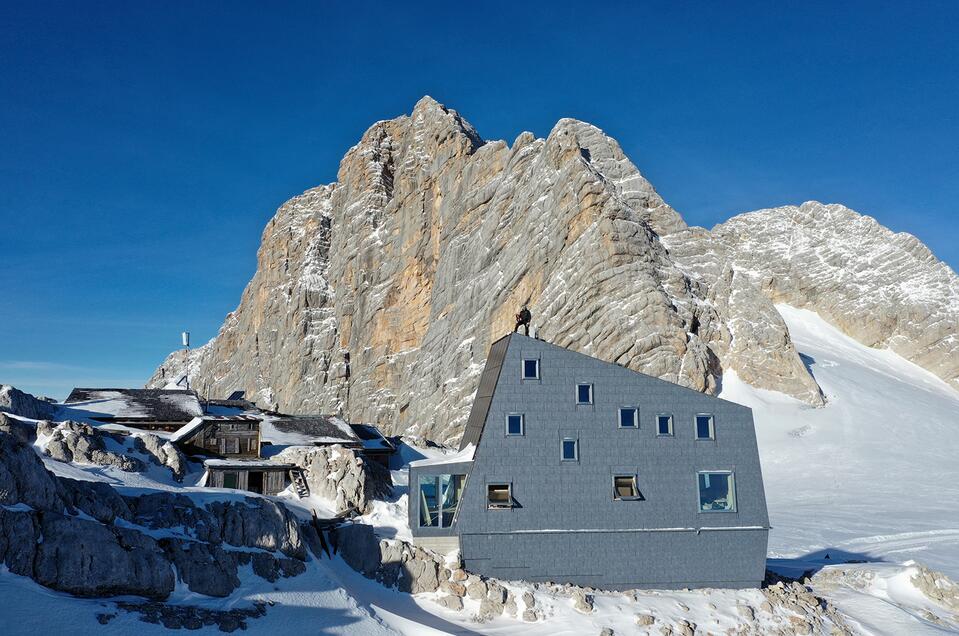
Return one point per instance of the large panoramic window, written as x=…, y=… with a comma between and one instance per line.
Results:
x=625, y=487
x=629, y=417
x=531, y=369
x=570, y=449
x=664, y=424
x=439, y=497
x=705, y=429
x=717, y=492
x=499, y=496
x=515, y=424
x=584, y=393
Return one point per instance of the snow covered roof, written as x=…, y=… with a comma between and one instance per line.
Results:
x=305, y=430
x=137, y=404
x=463, y=455
x=188, y=430
x=371, y=437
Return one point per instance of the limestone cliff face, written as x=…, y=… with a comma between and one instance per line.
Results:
x=428, y=243
x=884, y=289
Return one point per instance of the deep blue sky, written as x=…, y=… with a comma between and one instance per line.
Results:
x=143, y=146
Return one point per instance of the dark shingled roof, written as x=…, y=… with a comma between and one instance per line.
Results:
x=320, y=427
x=137, y=404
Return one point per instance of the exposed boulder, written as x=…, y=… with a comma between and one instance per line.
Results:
x=44, y=536
x=340, y=475
x=86, y=558
x=76, y=442
x=23, y=431
x=162, y=453
x=16, y=402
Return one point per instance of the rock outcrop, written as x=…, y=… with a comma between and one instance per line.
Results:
x=70, y=441
x=16, y=402
x=340, y=475
x=86, y=539
x=416, y=259
x=884, y=289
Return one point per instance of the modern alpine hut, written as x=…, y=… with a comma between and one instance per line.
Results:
x=576, y=470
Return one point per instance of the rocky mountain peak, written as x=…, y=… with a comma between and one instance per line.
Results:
x=431, y=239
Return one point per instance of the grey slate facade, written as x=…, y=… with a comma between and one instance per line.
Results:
x=564, y=522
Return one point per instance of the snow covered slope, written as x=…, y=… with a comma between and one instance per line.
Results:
x=873, y=473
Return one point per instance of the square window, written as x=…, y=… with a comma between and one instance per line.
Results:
x=584, y=393
x=704, y=427
x=629, y=417
x=664, y=424
x=531, y=369
x=570, y=449
x=499, y=496
x=625, y=487
x=717, y=491
x=515, y=424
x=231, y=480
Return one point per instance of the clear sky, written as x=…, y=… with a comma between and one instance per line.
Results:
x=144, y=145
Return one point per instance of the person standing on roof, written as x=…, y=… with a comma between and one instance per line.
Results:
x=523, y=319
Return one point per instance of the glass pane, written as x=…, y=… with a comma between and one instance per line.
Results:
x=702, y=426
x=716, y=492
x=664, y=425
x=514, y=425
x=627, y=418
x=451, y=491
x=583, y=393
x=230, y=480
x=429, y=511
x=569, y=449
x=530, y=368
x=498, y=495
x=625, y=486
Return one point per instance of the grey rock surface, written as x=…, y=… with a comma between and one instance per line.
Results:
x=23, y=431
x=77, y=442
x=16, y=402
x=884, y=289
x=340, y=475
x=425, y=247
x=104, y=552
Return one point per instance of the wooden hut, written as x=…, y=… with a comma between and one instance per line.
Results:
x=220, y=436
x=259, y=476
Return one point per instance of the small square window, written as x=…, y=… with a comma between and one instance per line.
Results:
x=570, y=449
x=584, y=393
x=629, y=417
x=531, y=369
x=499, y=496
x=664, y=425
x=515, y=424
x=625, y=487
x=704, y=427
x=717, y=491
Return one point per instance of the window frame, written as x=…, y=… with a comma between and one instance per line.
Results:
x=522, y=425
x=562, y=449
x=712, y=427
x=509, y=495
x=637, y=497
x=732, y=489
x=592, y=396
x=671, y=432
x=522, y=369
x=619, y=420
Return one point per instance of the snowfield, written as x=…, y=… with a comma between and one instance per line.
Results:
x=872, y=475
x=861, y=492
